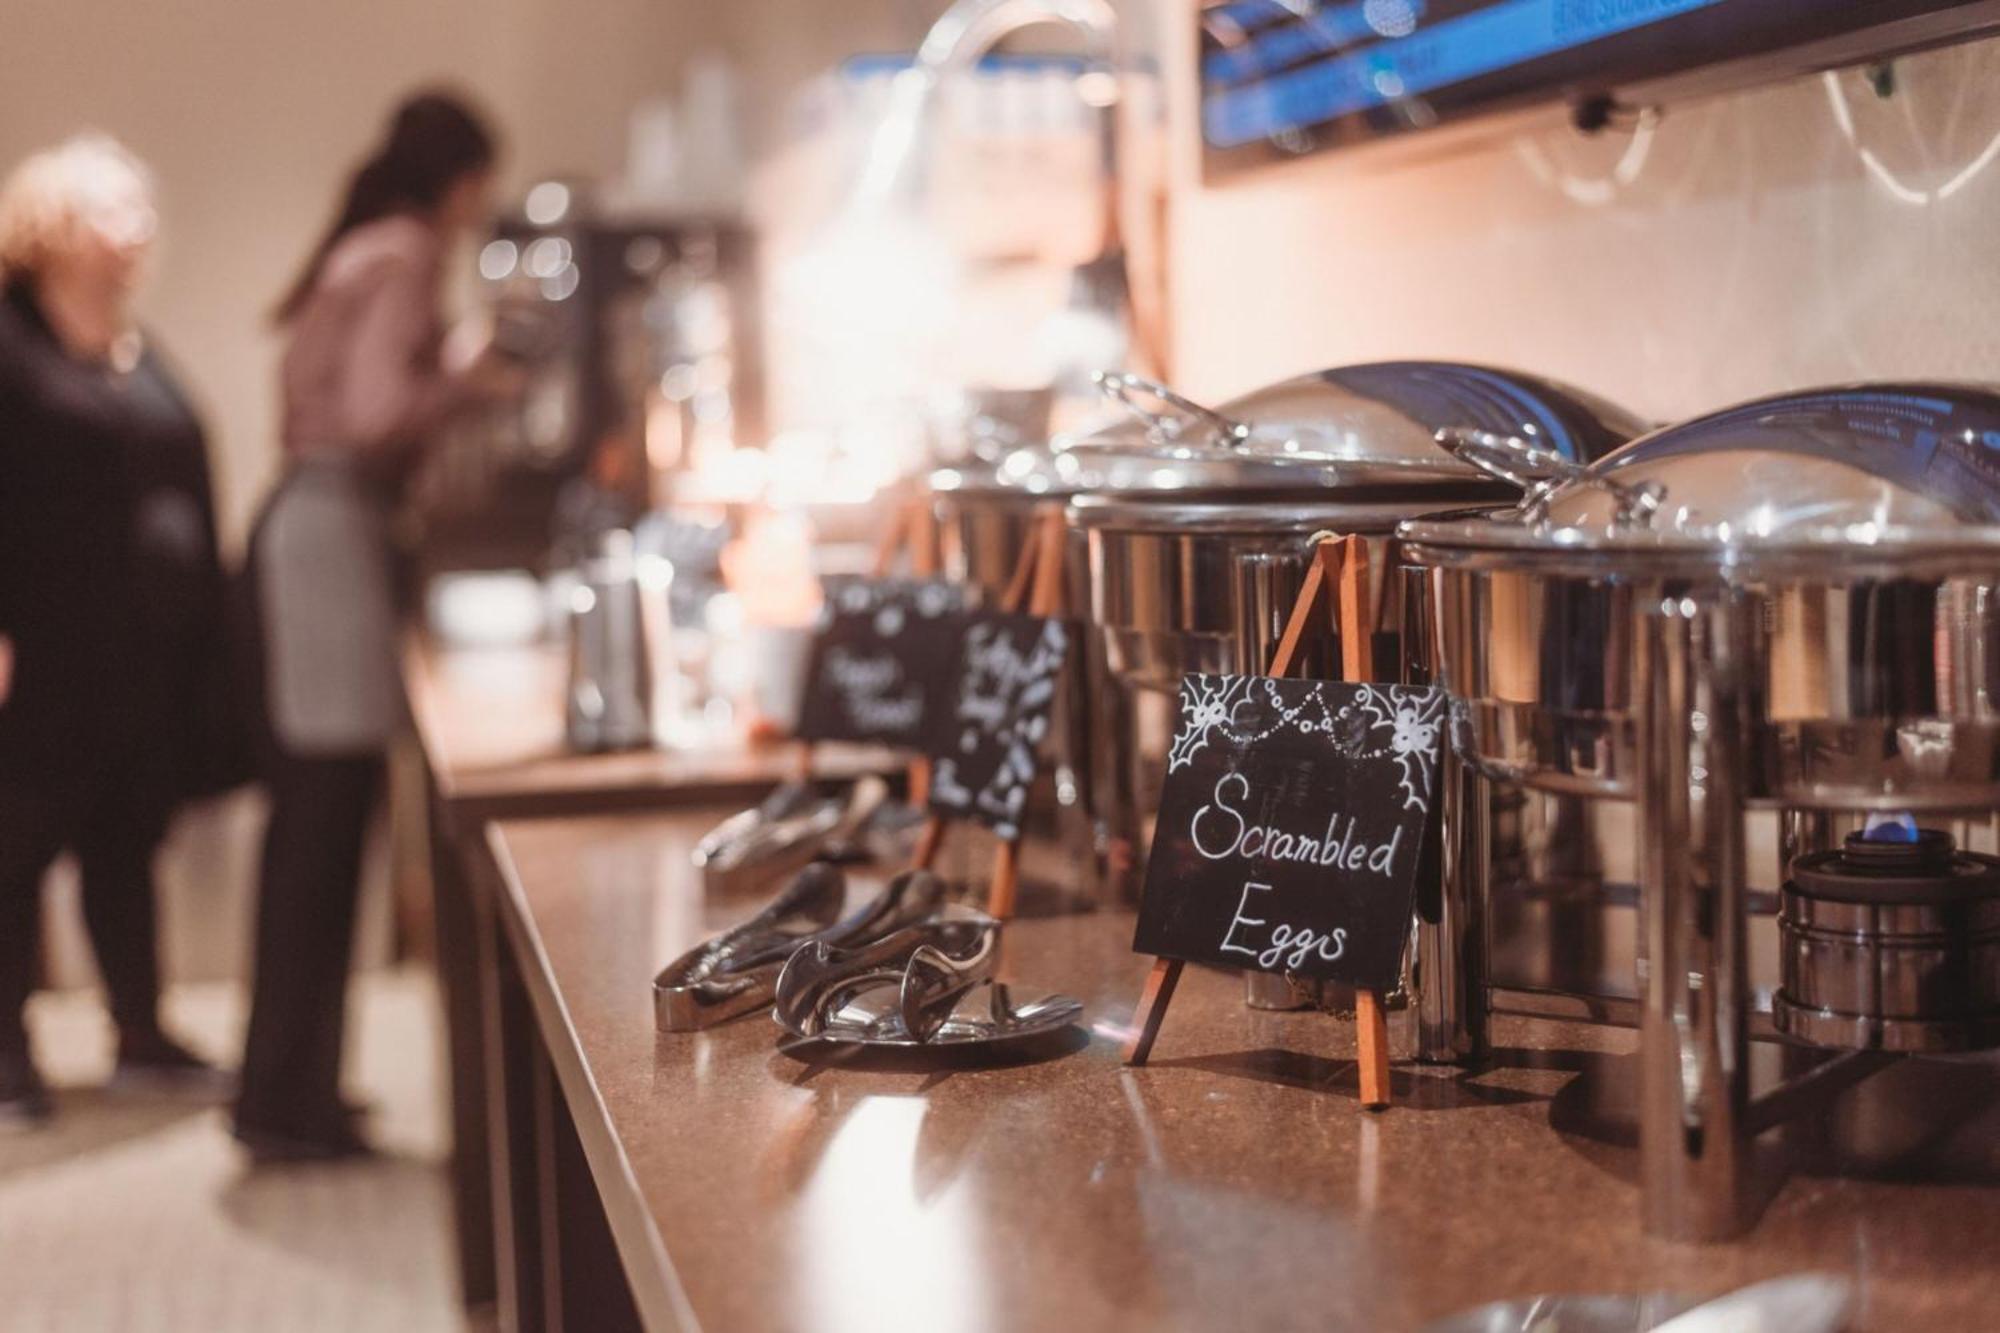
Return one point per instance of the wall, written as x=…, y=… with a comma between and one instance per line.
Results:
x=1743, y=245
x=251, y=113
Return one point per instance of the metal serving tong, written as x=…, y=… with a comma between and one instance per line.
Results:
x=737, y=971
x=910, y=991
x=915, y=976
x=786, y=830
x=793, y=827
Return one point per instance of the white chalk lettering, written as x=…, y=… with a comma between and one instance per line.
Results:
x=1220, y=831
x=862, y=675
x=867, y=685
x=1295, y=944
x=1286, y=947
x=1241, y=920
x=1236, y=838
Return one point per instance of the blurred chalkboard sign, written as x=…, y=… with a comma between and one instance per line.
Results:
x=884, y=655
x=986, y=748
x=1291, y=827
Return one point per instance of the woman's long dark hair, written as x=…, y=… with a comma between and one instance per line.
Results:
x=433, y=140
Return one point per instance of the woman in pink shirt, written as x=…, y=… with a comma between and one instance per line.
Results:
x=366, y=385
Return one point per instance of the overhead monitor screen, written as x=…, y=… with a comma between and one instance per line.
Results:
x=1285, y=77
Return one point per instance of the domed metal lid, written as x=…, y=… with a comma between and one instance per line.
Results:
x=1888, y=471
x=1054, y=469
x=1352, y=427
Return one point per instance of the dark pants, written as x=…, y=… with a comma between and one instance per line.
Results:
x=305, y=941
x=114, y=845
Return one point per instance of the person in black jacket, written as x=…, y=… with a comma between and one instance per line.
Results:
x=111, y=596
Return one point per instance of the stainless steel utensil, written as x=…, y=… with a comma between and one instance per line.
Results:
x=987, y=1022
x=733, y=973
x=1797, y=1303
x=788, y=829
x=928, y=986
x=934, y=981
x=737, y=972
x=822, y=979
x=1565, y=1314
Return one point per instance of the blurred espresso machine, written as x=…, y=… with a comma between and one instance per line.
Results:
x=638, y=338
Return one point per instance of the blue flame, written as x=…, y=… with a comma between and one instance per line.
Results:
x=1898, y=827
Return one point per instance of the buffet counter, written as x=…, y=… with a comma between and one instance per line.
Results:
x=1236, y=1182
x=490, y=722
x=489, y=727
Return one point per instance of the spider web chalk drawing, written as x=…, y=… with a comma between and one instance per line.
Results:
x=1378, y=722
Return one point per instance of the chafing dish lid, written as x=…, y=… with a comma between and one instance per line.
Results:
x=1354, y=426
x=1053, y=469
x=1894, y=468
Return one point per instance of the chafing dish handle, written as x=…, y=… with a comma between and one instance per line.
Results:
x=1538, y=472
x=1127, y=390
x=1514, y=460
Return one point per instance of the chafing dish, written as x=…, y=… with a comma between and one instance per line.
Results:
x=1788, y=604
x=1195, y=557
x=1861, y=522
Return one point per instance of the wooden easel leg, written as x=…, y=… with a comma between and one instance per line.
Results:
x=1045, y=596
x=1357, y=612
x=929, y=842
x=926, y=559
x=1318, y=574
x=1371, y=1040
x=1006, y=884
x=1015, y=596
x=1357, y=633
x=895, y=538
x=1160, y=983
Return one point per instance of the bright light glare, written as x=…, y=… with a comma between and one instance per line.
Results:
x=497, y=259
x=547, y=203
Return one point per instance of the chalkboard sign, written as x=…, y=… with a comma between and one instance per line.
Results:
x=1291, y=827
x=883, y=657
x=986, y=749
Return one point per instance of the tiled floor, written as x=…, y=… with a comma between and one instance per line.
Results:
x=134, y=1214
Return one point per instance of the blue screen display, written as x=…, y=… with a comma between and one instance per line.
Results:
x=1294, y=75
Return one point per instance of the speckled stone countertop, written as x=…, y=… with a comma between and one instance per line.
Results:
x=1235, y=1183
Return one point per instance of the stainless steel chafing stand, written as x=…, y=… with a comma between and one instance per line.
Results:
x=1795, y=605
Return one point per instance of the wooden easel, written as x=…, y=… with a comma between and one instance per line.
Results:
x=1036, y=588
x=1339, y=569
